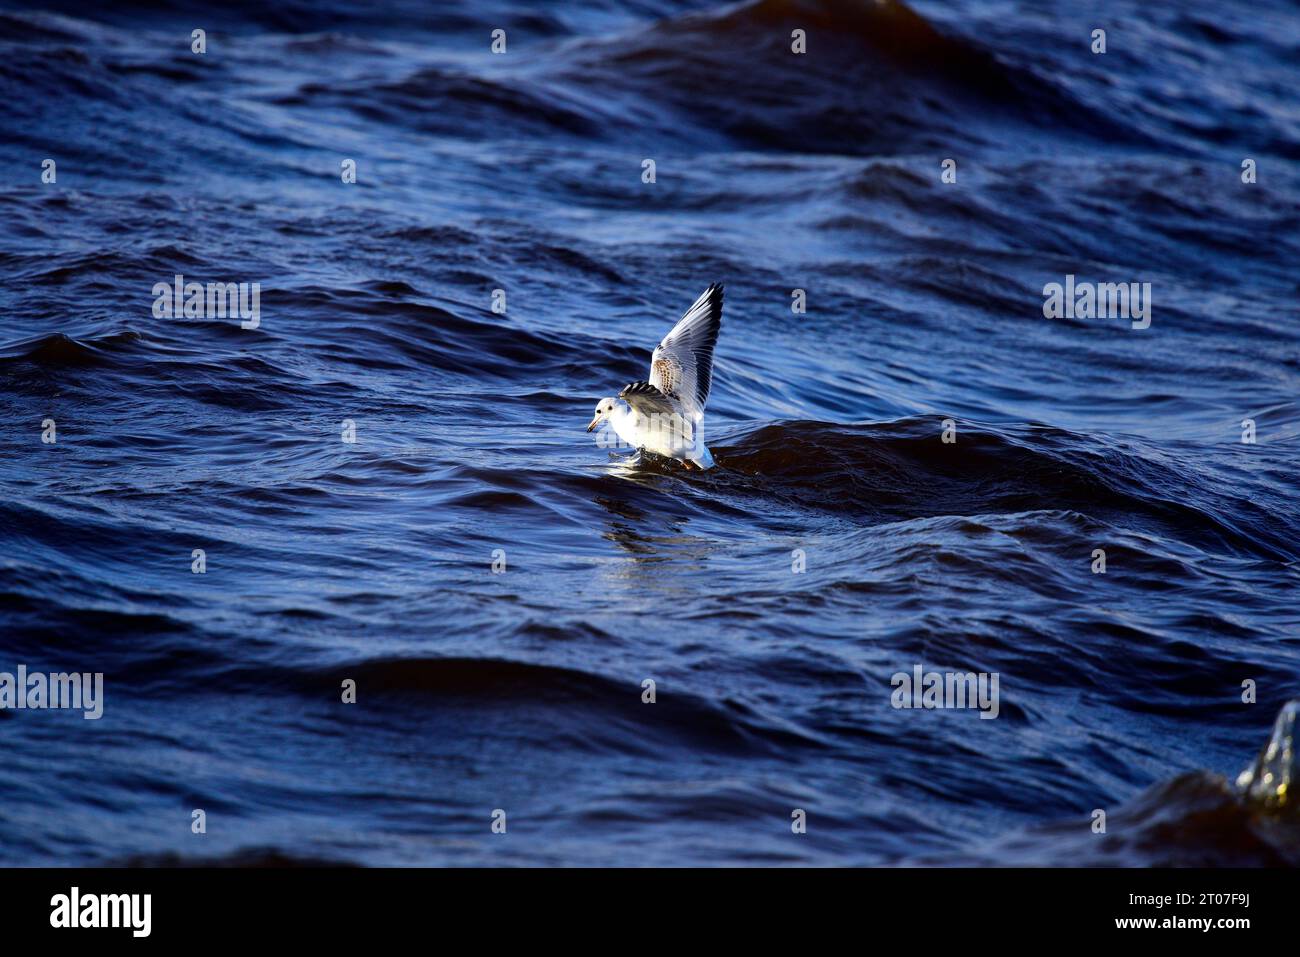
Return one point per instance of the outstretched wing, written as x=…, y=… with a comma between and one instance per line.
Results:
x=647, y=399
x=682, y=365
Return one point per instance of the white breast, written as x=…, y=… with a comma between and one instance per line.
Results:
x=676, y=438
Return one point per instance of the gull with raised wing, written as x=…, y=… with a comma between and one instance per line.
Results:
x=664, y=415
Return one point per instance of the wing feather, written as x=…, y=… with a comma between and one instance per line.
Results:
x=682, y=364
x=647, y=399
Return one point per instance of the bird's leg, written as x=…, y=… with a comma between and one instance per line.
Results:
x=688, y=463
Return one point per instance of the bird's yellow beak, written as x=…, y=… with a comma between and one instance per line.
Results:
x=594, y=422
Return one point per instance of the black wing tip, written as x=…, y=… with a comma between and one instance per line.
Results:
x=637, y=388
x=717, y=291
x=715, y=294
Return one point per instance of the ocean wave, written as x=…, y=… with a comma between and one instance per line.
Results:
x=1196, y=819
x=498, y=584
x=904, y=469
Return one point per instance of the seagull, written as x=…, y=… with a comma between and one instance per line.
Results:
x=664, y=415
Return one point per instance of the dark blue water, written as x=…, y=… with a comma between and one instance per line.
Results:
x=522, y=171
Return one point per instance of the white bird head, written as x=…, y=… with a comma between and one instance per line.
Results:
x=603, y=408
